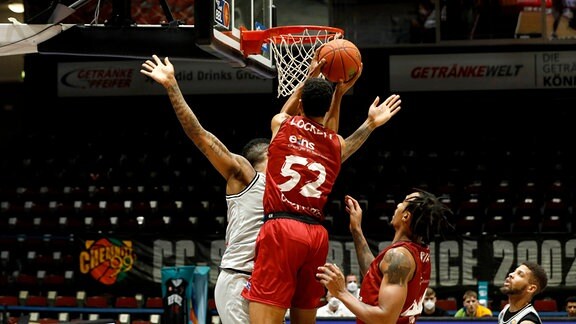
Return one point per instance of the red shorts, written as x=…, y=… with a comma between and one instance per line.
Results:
x=288, y=254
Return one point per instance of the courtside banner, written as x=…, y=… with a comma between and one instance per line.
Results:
x=120, y=263
x=130, y=263
x=455, y=262
x=483, y=71
x=123, y=78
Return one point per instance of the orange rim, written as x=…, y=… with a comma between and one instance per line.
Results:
x=251, y=40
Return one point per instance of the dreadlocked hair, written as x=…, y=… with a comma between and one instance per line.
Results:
x=429, y=216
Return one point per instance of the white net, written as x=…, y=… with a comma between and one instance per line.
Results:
x=293, y=54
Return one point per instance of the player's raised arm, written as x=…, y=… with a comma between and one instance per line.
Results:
x=225, y=162
x=378, y=115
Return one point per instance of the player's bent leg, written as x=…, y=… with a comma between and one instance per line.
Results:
x=231, y=306
x=302, y=316
x=266, y=314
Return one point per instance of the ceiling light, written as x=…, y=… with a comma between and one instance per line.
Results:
x=16, y=7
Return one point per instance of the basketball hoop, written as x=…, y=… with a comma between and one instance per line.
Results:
x=293, y=48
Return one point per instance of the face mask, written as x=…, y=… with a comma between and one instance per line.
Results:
x=352, y=287
x=429, y=304
x=334, y=302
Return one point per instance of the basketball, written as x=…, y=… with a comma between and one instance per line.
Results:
x=343, y=60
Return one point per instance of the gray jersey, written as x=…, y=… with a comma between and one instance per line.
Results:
x=526, y=313
x=245, y=217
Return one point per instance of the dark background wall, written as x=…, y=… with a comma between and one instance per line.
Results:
x=456, y=137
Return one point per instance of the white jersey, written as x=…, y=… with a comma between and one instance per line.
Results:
x=245, y=217
x=507, y=317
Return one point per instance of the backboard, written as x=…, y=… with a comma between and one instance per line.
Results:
x=218, y=25
x=195, y=30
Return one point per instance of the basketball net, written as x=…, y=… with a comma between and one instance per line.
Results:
x=293, y=53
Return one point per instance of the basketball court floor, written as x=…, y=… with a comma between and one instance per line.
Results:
x=530, y=25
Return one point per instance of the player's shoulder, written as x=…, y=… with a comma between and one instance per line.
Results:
x=399, y=255
x=279, y=118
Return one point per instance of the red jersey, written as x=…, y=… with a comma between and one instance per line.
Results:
x=303, y=163
x=416, y=286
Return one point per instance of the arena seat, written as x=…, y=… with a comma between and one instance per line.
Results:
x=53, y=281
x=469, y=224
x=500, y=205
x=526, y=223
x=126, y=302
x=546, y=305
x=554, y=223
x=9, y=300
x=497, y=223
x=141, y=208
x=112, y=207
x=27, y=281
x=65, y=301
x=502, y=189
x=128, y=224
x=154, y=302
x=33, y=300
x=89, y=208
x=141, y=322
x=447, y=304
x=556, y=216
x=96, y=301
x=470, y=206
x=557, y=189
x=499, y=215
x=527, y=214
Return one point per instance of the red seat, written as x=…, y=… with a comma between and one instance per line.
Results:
x=447, y=304
x=36, y=301
x=54, y=280
x=469, y=224
x=154, y=302
x=499, y=216
x=96, y=301
x=48, y=321
x=555, y=216
x=526, y=224
x=497, y=224
x=27, y=280
x=469, y=215
x=8, y=300
x=546, y=305
x=126, y=302
x=65, y=301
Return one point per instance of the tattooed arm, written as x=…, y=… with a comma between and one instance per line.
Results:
x=363, y=252
x=378, y=115
x=397, y=268
x=233, y=167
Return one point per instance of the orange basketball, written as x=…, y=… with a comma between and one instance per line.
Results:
x=343, y=60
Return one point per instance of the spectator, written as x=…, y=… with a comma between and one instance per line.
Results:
x=333, y=308
x=472, y=307
x=571, y=306
x=430, y=308
x=352, y=285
